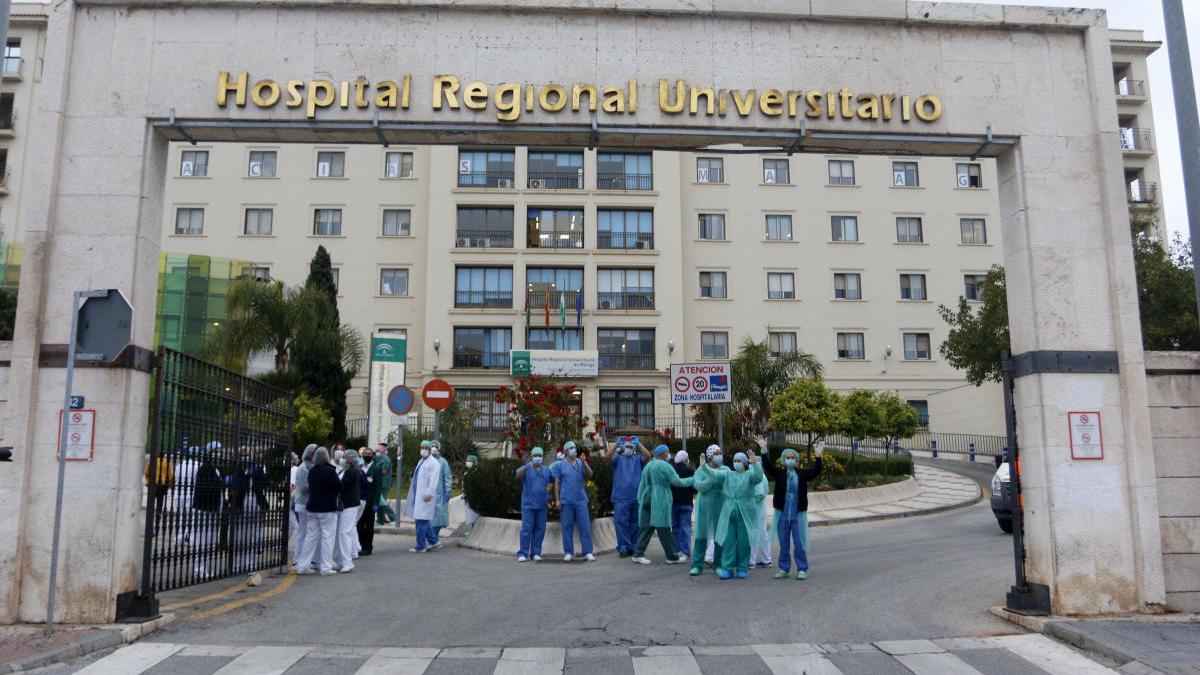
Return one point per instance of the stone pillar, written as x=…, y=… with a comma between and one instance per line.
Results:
x=1091, y=527
x=95, y=200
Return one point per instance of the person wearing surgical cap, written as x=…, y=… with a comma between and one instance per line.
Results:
x=536, y=481
x=627, y=456
x=654, y=507
x=791, y=506
x=422, y=500
x=570, y=493
x=441, y=516
x=738, y=521
x=681, y=506
x=709, y=484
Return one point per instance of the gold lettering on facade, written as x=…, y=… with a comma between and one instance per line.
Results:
x=272, y=97
x=868, y=107
x=813, y=99
x=708, y=95
x=507, y=98
x=743, y=104
x=238, y=88
x=386, y=95
x=448, y=85
x=295, y=98
x=771, y=103
x=475, y=96
x=360, y=92
x=929, y=108
x=664, y=97
x=560, y=98
x=321, y=94
x=578, y=90
x=614, y=100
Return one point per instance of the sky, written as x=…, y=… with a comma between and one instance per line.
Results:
x=1147, y=15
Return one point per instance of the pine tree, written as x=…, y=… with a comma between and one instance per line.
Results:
x=325, y=365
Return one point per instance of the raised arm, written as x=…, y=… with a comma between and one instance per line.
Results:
x=646, y=457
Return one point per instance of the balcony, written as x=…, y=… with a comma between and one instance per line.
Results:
x=486, y=179
x=1130, y=87
x=470, y=359
x=483, y=300
x=624, y=181
x=538, y=297
x=630, y=241
x=483, y=239
x=556, y=180
x=1135, y=139
x=552, y=239
x=636, y=300
x=619, y=361
x=1142, y=192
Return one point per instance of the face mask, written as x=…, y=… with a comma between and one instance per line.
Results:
x=789, y=463
x=470, y=464
x=628, y=452
x=558, y=456
x=572, y=452
x=738, y=466
x=341, y=464
x=424, y=452
x=361, y=461
x=368, y=459
x=537, y=459
x=717, y=460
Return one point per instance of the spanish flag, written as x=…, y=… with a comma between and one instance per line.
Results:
x=547, y=291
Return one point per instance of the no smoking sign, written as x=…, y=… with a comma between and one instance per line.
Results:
x=81, y=435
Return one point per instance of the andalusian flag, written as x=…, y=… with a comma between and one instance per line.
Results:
x=562, y=309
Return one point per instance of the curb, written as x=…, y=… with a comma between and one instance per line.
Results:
x=896, y=516
x=106, y=637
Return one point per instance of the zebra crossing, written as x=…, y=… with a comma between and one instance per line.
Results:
x=1032, y=654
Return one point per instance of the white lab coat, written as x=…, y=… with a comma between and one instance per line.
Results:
x=428, y=483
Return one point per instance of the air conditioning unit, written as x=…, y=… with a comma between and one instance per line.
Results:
x=323, y=169
x=256, y=169
x=768, y=175
x=537, y=184
x=504, y=183
x=641, y=244
x=701, y=175
x=187, y=169
x=463, y=242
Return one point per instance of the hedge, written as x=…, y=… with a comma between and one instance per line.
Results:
x=492, y=489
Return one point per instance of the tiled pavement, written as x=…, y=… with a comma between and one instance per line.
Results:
x=1032, y=654
x=940, y=490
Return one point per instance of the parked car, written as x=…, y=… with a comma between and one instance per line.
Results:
x=1002, y=500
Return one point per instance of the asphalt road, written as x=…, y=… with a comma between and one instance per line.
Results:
x=926, y=577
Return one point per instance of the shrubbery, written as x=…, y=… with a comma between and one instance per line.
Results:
x=491, y=488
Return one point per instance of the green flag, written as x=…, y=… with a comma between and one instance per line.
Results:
x=562, y=309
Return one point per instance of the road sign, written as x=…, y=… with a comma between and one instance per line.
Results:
x=701, y=383
x=77, y=402
x=1087, y=439
x=105, y=325
x=400, y=400
x=81, y=435
x=389, y=349
x=438, y=394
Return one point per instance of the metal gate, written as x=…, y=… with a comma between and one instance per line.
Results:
x=217, y=477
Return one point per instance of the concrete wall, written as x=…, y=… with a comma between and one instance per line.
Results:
x=1174, y=384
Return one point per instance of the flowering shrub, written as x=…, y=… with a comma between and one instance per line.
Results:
x=541, y=412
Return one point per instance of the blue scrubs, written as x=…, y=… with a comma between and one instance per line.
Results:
x=627, y=473
x=573, y=495
x=534, y=506
x=792, y=527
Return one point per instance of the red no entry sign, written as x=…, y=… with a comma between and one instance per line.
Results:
x=437, y=394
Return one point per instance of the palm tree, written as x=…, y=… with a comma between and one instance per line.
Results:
x=758, y=377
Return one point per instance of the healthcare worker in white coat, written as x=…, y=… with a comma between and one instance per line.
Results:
x=423, y=493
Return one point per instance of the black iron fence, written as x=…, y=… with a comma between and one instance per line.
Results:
x=624, y=181
x=486, y=179
x=556, y=180
x=642, y=241
x=625, y=300
x=464, y=238
x=217, y=476
x=484, y=299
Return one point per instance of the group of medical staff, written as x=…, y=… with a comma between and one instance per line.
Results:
x=654, y=496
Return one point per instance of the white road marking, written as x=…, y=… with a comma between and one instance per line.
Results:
x=135, y=658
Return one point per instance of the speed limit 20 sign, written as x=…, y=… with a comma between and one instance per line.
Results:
x=700, y=383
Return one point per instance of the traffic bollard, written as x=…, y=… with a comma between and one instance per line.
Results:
x=971, y=448
x=933, y=448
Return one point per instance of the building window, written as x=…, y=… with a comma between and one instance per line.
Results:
x=6, y=110
x=625, y=229
x=554, y=228
x=782, y=343
x=775, y=171
x=973, y=286
x=484, y=227
x=712, y=285
x=398, y=165
x=850, y=346
x=393, y=281
x=554, y=338
x=974, y=230
x=189, y=221
x=397, y=222
x=779, y=227
x=922, y=410
x=12, y=56
x=909, y=231
x=555, y=170
x=554, y=287
x=486, y=287
x=624, y=171
x=969, y=175
x=847, y=286
x=337, y=284
x=710, y=170
x=712, y=226
x=486, y=168
x=916, y=346
x=193, y=163
x=331, y=164
x=259, y=222
x=904, y=174
x=912, y=287
x=841, y=172
x=489, y=415
x=625, y=348
x=627, y=408
x=262, y=164
x=781, y=286
x=482, y=347
x=625, y=288
x=327, y=222
x=260, y=273
x=714, y=344
x=845, y=228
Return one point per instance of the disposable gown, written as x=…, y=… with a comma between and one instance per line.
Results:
x=657, y=479
x=709, y=483
x=741, y=491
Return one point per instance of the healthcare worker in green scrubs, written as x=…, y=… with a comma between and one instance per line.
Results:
x=739, y=515
x=709, y=482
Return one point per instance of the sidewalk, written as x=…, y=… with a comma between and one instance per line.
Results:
x=936, y=490
x=25, y=648
x=1139, y=644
